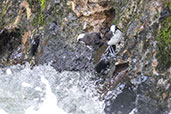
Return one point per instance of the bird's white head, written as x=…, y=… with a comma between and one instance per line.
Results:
x=80, y=37
x=112, y=28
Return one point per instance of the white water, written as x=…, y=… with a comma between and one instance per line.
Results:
x=44, y=90
x=2, y=111
x=49, y=103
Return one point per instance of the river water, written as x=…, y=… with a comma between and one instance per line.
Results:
x=43, y=90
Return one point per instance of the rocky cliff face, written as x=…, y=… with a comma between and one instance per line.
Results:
x=146, y=49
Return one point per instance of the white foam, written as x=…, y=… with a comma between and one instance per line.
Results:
x=49, y=103
x=8, y=71
x=2, y=112
x=28, y=92
x=38, y=89
x=24, y=84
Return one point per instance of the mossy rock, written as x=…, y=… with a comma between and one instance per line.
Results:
x=164, y=44
x=168, y=4
x=38, y=7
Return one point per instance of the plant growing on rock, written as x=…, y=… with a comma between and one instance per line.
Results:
x=164, y=44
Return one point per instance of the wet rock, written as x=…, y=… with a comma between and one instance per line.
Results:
x=147, y=105
x=123, y=104
x=65, y=57
x=102, y=66
x=9, y=43
x=54, y=28
x=131, y=43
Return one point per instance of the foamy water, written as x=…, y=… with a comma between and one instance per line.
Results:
x=2, y=111
x=44, y=90
x=49, y=103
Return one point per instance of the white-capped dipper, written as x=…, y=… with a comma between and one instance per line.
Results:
x=90, y=39
x=113, y=37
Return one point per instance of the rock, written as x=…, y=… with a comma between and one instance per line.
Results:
x=123, y=104
x=58, y=23
x=97, y=14
x=147, y=105
x=57, y=1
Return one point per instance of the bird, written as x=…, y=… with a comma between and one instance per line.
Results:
x=113, y=37
x=90, y=39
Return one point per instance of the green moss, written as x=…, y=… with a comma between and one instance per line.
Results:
x=38, y=20
x=168, y=4
x=42, y=4
x=164, y=44
x=4, y=12
x=38, y=7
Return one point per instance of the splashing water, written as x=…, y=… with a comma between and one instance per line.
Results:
x=49, y=104
x=2, y=111
x=43, y=90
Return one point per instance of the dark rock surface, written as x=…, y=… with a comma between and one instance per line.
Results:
x=66, y=57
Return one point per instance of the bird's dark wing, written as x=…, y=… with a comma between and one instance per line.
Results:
x=97, y=38
x=108, y=35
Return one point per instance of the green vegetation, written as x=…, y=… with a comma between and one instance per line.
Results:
x=164, y=43
x=168, y=4
x=38, y=7
x=41, y=19
x=4, y=10
x=42, y=4
x=38, y=20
